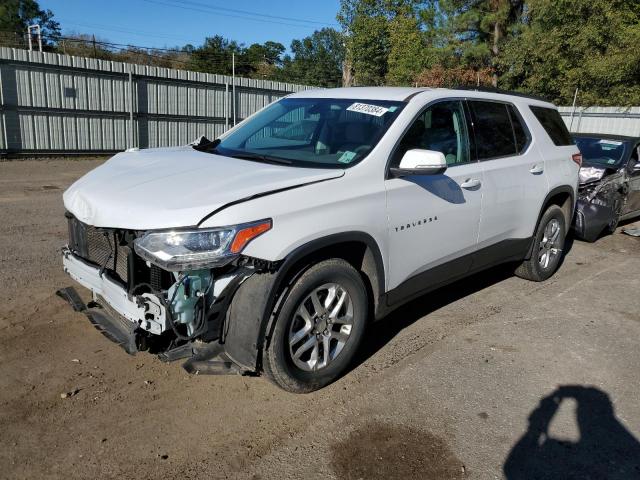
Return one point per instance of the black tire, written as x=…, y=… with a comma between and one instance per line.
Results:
x=532, y=269
x=278, y=361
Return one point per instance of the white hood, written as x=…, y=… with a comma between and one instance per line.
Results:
x=175, y=187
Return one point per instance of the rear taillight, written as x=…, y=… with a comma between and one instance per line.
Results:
x=577, y=157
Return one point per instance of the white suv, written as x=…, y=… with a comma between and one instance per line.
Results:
x=269, y=249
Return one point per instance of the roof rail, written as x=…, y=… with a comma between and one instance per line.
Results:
x=503, y=92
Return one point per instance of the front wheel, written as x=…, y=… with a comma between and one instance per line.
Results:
x=547, y=247
x=318, y=328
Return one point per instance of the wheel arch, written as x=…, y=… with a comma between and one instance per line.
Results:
x=253, y=310
x=562, y=196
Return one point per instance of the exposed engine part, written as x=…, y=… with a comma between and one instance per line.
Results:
x=154, y=317
x=189, y=298
x=603, y=192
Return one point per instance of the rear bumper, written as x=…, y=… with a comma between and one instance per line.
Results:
x=591, y=219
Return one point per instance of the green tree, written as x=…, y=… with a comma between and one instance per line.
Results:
x=406, y=51
x=17, y=15
x=474, y=31
x=317, y=59
x=378, y=33
x=369, y=49
x=215, y=55
x=264, y=60
x=567, y=44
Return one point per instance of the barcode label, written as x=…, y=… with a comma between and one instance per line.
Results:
x=368, y=109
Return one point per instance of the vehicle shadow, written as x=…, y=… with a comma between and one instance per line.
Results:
x=605, y=450
x=439, y=185
x=379, y=333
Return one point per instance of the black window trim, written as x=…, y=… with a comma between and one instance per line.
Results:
x=462, y=100
x=525, y=127
x=523, y=151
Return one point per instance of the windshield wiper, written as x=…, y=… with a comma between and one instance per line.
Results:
x=262, y=158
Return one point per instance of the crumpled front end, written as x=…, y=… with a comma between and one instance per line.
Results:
x=598, y=206
x=141, y=306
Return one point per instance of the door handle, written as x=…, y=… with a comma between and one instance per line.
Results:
x=470, y=183
x=536, y=169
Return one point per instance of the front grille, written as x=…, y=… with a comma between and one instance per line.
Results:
x=99, y=246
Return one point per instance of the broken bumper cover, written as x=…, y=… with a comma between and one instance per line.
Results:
x=149, y=316
x=120, y=317
x=125, y=321
x=591, y=219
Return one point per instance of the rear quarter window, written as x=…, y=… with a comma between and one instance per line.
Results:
x=552, y=123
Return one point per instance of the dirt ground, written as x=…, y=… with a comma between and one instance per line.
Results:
x=489, y=378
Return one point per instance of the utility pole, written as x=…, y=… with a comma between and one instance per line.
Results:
x=95, y=54
x=233, y=86
x=573, y=111
x=38, y=31
x=226, y=106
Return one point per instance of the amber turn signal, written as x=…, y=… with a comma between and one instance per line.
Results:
x=244, y=236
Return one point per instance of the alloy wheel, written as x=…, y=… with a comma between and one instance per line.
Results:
x=550, y=244
x=321, y=327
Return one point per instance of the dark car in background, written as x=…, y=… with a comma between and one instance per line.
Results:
x=609, y=189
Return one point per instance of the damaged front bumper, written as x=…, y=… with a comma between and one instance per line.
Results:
x=599, y=205
x=591, y=219
x=132, y=320
x=146, y=313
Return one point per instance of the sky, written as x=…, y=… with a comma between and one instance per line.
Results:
x=170, y=23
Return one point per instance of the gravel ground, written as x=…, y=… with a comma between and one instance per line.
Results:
x=491, y=377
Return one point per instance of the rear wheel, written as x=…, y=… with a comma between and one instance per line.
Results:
x=318, y=328
x=547, y=248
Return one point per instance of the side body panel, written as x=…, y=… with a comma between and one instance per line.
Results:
x=357, y=201
x=514, y=189
x=560, y=170
x=432, y=220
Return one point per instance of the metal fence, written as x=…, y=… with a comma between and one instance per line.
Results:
x=615, y=120
x=51, y=103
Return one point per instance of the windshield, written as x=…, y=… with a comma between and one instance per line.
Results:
x=312, y=132
x=601, y=151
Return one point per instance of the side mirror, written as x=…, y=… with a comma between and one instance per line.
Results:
x=420, y=162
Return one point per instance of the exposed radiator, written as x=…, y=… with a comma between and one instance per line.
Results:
x=99, y=246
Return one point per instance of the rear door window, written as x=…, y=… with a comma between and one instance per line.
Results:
x=552, y=122
x=494, y=135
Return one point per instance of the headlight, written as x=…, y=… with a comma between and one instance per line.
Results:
x=180, y=250
x=590, y=174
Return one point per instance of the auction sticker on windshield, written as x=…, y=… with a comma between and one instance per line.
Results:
x=368, y=109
